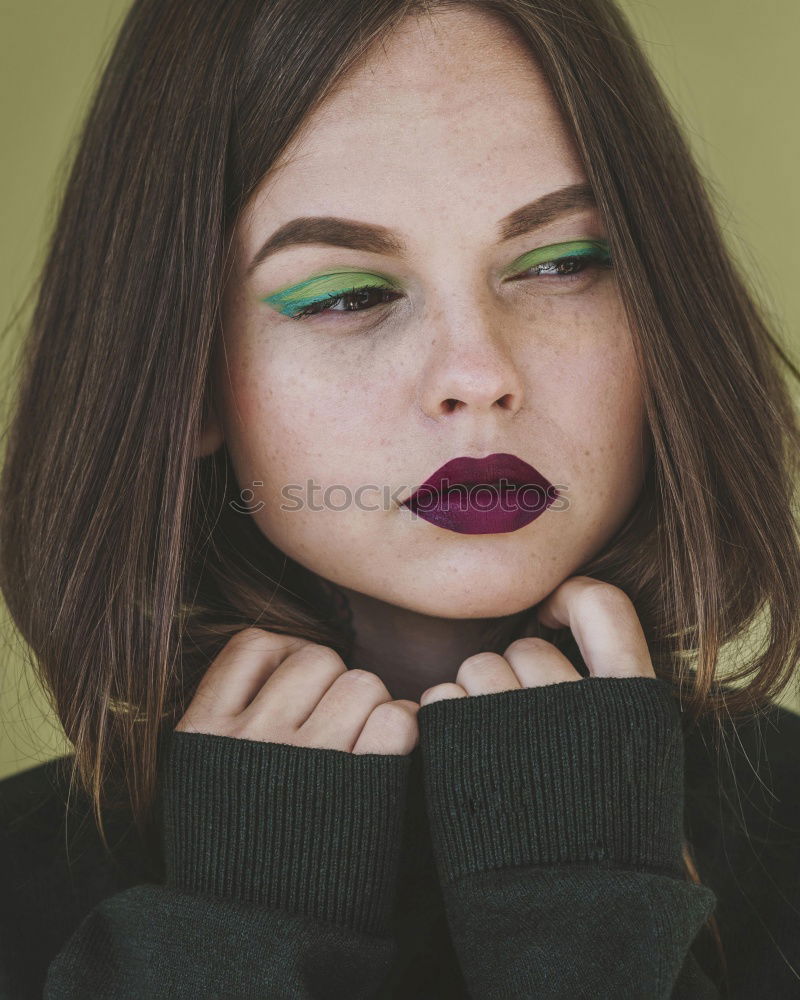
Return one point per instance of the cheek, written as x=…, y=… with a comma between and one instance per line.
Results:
x=601, y=407
x=293, y=413
x=591, y=393
x=306, y=432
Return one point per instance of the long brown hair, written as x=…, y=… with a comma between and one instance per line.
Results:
x=122, y=561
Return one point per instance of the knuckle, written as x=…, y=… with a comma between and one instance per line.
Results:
x=606, y=597
x=394, y=715
x=407, y=705
x=320, y=656
x=258, y=638
x=249, y=634
x=391, y=728
x=478, y=663
x=364, y=678
x=530, y=644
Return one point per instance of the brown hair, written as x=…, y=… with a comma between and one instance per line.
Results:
x=123, y=563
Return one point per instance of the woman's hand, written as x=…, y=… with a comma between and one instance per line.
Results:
x=606, y=628
x=280, y=689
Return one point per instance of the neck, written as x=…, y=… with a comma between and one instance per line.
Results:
x=410, y=651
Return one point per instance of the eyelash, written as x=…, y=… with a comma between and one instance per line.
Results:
x=590, y=260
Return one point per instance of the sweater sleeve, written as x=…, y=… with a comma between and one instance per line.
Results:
x=280, y=868
x=556, y=817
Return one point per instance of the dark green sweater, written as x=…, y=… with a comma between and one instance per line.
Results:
x=529, y=846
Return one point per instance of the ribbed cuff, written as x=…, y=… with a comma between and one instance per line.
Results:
x=305, y=829
x=579, y=771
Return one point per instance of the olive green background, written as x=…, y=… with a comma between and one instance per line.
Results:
x=729, y=66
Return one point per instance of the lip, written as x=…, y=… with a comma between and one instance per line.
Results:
x=479, y=496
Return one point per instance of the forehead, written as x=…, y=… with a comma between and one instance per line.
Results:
x=448, y=110
x=440, y=63
x=436, y=78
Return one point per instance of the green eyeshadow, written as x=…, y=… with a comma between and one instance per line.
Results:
x=597, y=249
x=296, y=297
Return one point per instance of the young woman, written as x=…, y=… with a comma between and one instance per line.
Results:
x=397, y=448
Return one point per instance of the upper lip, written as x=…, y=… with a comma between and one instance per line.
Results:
x=482, y=471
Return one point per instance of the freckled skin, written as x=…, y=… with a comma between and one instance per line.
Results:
x=442, y=132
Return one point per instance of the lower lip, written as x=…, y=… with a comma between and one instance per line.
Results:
x=484, y=509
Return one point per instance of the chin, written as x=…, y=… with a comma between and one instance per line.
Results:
x=461, y=600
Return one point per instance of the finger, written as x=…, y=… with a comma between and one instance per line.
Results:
x=240, y=669
x=390, y=729
x=537, y=662
x=605, y=625
x=339, y=718
x=296, y=686
x=485, y=673
x=441, y=691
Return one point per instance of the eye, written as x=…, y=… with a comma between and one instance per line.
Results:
x=340, y=291
x=353, y=300
x=564, y=262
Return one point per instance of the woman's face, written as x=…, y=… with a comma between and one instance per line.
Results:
x=444, y=133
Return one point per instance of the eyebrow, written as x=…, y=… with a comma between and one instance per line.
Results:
x=333, y=231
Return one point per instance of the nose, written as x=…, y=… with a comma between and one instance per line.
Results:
x=470, y=368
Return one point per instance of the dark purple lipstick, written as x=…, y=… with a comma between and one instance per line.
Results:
x=483, y=496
